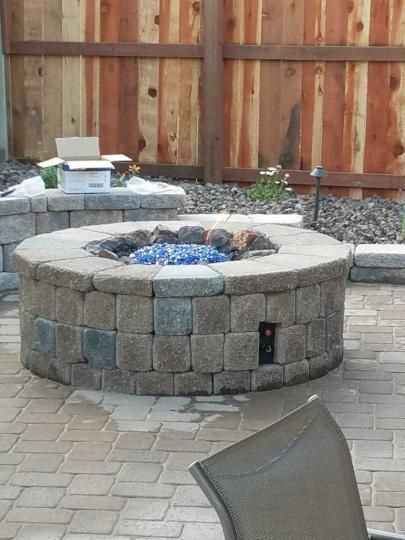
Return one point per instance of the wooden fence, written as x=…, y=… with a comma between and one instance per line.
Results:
x=216, y=88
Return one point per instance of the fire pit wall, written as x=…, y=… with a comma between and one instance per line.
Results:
x=180, y=330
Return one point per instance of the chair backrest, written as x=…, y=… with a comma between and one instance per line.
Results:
x=291, y=481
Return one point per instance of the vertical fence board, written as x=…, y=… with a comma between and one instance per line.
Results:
x=190, y=70
x=52, y=77
x=232, y=81
x=127, y=141
x=270, y=87
x=291, y=81
x=71, y=70
x=109, y=78
x=169, y=83
x=33, y=29
x=148, y=90
x=17, y=81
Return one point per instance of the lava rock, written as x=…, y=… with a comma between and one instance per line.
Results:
x=139, y=239
x=191, y=234
x=106, y=254
x=218, y=238
x=164, y=235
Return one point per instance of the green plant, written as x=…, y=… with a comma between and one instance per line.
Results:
x=133, y=170
x=271, y=186
x=50, y=177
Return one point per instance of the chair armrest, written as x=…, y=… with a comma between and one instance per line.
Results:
x=381, y=535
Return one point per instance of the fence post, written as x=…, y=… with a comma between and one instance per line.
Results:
x=213, y=75
x=4, y=29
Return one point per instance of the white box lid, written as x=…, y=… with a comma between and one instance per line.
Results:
x=85, y=165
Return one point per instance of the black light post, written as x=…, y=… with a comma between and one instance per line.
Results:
x=318, y=173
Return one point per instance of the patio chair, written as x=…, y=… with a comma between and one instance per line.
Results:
x=291, y=481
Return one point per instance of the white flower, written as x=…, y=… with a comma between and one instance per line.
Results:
x=288, y=189
x=262, y=173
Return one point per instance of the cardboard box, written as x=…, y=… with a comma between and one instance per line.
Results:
x=81, y=168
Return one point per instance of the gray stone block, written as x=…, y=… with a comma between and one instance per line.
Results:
x=336, y=356
x=27, y=334
x=69, y=306
x=319, y=366
x=14, y=205
x=280, y=308
x=118, y=381
x=17, y=227
x=39, y=364
x=231, y=382
x=267, y=377
x=241, y=351
x=69, y=343
x=99, y=310
x=296, y=373
x=8, y=281
x=99, y=347
x=207, y=353
x=308, y=303
x=85, y=376
x=316, y=337
x=252, y=277
x=38, y=298
x=380, y=255
x=191, y=281
x=117, y=199
x=211, y=315
x=247, y=312
x=59, y=372
x=155, y=384
x=334, y=330
x=192, y=384
x=8, y=251
x=75, y=274
x=332, y=295
x=45, y=337
x=48, y=222
x=310, y=270
x=39, y=203
x=26, y=261
x=163, y=200
x=81, y=218
x=290, y=344
x=395, y=276
x=173, y=316
x=146, y=214
x=58, y=201
x=135, y=280
x=171, y=354
x=134, y=352
x=134, y=314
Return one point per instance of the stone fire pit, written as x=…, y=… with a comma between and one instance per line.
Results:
x=245, y=325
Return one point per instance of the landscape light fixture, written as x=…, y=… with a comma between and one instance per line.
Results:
x=319, y=172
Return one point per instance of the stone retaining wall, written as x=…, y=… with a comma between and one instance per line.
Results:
x=379, y=263
x=97, y=323
x=22, y=217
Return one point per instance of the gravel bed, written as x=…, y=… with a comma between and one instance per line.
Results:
x=370, y=221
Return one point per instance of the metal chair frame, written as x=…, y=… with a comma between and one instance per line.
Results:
x=225, y=517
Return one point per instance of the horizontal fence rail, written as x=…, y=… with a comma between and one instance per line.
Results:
x=215, y=89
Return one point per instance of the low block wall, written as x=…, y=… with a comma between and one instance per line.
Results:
x=22, y=217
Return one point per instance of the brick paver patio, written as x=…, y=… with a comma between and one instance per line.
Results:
x=86, y=465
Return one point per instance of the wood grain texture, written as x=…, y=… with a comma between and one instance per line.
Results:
x=71, y=70
x=33, y=81
x=52, y=80
x=17, y=82
x=148, y=79
x=270, y=87
x=169, y=84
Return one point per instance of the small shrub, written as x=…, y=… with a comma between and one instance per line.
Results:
x=271, y=186
x=50, y=177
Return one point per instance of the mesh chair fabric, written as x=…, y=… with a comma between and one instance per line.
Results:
x=291, y=481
